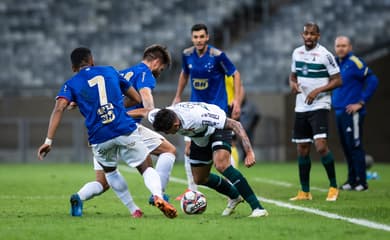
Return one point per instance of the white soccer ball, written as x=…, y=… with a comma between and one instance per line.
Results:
x=193, y=202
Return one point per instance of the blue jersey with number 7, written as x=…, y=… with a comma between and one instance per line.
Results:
x=98, y=92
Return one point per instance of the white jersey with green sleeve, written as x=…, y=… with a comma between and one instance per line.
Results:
x=313, y=69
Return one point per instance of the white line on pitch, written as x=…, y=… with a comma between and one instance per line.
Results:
x=285, y=184
x=357, y=221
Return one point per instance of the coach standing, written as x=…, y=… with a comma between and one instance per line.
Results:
x=349, y=102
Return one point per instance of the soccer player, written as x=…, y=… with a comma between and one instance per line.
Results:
x=206, y=125
x=349, y=102
x=314, y=73
x=113, y=135
x=142, y=77
x=206, y=67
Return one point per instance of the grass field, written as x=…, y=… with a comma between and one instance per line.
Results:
x=34, y=202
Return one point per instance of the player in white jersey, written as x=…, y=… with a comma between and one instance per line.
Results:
x=314, y=73
x=205, y=124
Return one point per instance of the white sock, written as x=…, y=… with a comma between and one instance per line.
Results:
x=190, y=179
x=164, y=167
x=119, y=185
x=152, y=181
x=90, y=190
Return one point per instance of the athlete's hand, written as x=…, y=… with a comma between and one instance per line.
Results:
x=236, y=110
x=352, y=108
x=43, y=151
x=250, y=159
x=311, y=96
x=176, y=100
x=294, y=87
x=71, y=106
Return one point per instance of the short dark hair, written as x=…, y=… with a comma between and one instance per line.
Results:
x=80, y=56
x=314, y=25
x=157, y=51
x=164, y=120
x=198, y=27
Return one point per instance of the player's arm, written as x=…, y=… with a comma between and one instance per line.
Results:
x=293, y=81
x=55, y=119
x=147, y=97
x=334, y=82
x=240, y=131
x=183, y=79
x=132, y=97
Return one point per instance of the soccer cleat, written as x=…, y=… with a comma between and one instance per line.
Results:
x=151, y=199
x=137, y=213
x=76, y=205
x=165, y=207
x=258, y=213
x=333, y=193
x=361, y=187
x=178, y=198
x=302, y=196
x=347, y=186
x=232, y=204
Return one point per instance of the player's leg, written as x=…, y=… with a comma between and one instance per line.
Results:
x=166, y=153
x=107, y=155
x=191, y=186
x=303, y=137
x=344, y=129
x=221, y=141
x=201, y=163
x=136, y=154
x=89, y=190
x=357, y=152
x=319, y=122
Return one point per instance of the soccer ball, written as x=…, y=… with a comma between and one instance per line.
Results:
x=193, y=202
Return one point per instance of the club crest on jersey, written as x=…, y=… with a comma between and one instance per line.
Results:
x=200, y=83
x=305, y=69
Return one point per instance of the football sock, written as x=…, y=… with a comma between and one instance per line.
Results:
x=119, y=185
x=152, y=181
x=328, y=162
x=222, y=186
x=90, y=190
x=242, y=185
x=190, y=179
x=304, y=165
x=164, y=167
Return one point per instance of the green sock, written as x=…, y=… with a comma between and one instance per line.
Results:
x=304, y=165
x=242, y=185
x=328, y=163
x=222, y=186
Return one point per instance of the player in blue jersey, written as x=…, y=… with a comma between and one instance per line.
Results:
x=142, y=77
x=113, y=135
x=314, y=73
x=349, y=102
x=206, y=67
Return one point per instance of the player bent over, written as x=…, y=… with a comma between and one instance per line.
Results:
x=211, y=134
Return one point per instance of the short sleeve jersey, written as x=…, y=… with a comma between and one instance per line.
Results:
x=207, y=75
x=140, y=77
x=98, y=93
x=313, y=69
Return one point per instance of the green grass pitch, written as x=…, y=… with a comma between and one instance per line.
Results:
x=34, y=204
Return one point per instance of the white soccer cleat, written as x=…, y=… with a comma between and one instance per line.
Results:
x=258, y=213
x=232, y=204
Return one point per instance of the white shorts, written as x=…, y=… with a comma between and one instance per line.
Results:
x=130, y=148
x=150, y=138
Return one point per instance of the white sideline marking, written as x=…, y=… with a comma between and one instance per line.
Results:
x=357, y=221
x=285, y=184
x=362, y=222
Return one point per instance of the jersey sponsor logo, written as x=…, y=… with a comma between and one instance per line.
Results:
x=200, y=83
x=305, y=70
x=210, y=115
x=208, y=123
x=128, y=75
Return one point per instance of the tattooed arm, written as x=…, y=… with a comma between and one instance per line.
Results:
x=240, y=131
